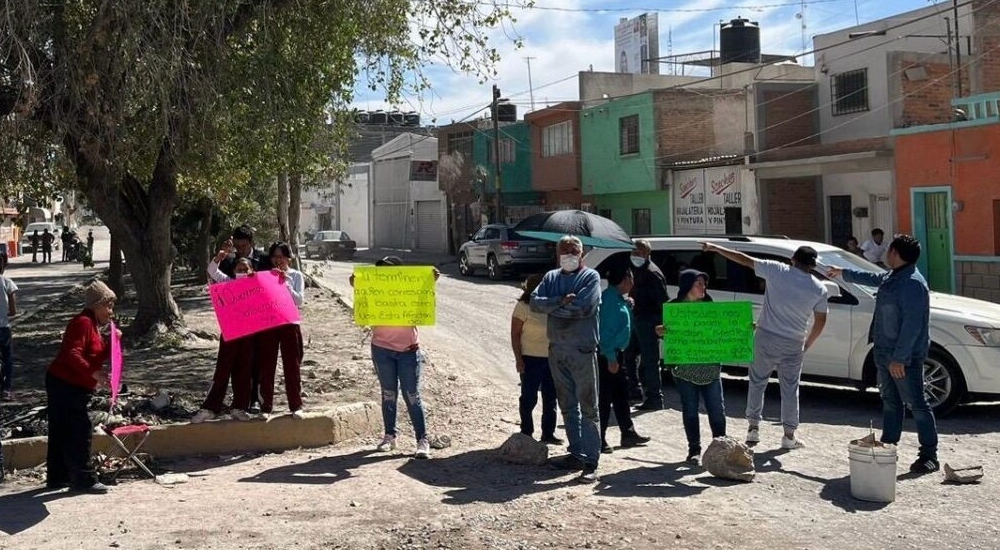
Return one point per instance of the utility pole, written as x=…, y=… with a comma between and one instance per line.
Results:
x=958, y=48
x=531, y=89
x=498, y=198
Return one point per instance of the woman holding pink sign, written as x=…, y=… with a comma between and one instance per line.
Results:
x=70, y=381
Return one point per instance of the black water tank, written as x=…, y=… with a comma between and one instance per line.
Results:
x=739, y=41
x=507, y=112
x=378, y=117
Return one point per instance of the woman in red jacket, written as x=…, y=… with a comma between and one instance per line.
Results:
x=69, y=383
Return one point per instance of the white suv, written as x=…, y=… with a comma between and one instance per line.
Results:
x=964, y=359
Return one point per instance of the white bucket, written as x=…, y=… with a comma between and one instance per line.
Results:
x=873, y=473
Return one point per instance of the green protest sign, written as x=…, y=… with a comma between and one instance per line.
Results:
x=708, y=333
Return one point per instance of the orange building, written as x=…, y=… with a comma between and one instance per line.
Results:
x=948, y=197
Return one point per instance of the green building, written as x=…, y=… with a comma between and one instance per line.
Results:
x=515, y=166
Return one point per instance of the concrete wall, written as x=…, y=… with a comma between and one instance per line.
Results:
x=860, y=186
x=604, y=168
x=597, y=87
x=355, y=204
x=980, y=280
x=621, y=205
x=516, y=174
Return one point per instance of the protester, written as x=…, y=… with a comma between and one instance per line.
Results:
x=649, y=294
x=90, y=242
x=874, y=248
x=69, y=383
x=571, y=296
x=36, y=241
x=783, y=336
x=8, y=309
x=615, y=322
x=287, y=338
x=531, y=358
x=399, y=363
x=66, y=237
x=697, y=383
x=47, y=240
x=852, y=246
x=900, y=336
x=234, y=359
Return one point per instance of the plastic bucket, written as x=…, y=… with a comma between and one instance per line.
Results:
x=873, y=473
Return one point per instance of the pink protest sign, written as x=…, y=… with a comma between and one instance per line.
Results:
x=116, y=364
x=252, y=304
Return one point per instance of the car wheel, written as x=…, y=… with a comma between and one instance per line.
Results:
x=944, y=385
x=493, y=270
x=463, y=266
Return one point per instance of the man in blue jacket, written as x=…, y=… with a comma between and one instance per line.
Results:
x=900, y=339
x=571, y=296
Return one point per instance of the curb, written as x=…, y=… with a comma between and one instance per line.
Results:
x=278, y=433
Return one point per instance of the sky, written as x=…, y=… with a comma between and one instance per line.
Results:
x=564, y=37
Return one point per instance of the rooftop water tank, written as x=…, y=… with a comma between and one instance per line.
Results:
x=739, y=41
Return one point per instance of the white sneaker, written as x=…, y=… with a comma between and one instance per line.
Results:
x=423, y=449
x=388, y=443
x=791, y=443
x=241, y=415
x=201, y=416
x=753, y=435
x=298, y=414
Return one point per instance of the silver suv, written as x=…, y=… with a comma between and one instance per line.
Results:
x=496, y=248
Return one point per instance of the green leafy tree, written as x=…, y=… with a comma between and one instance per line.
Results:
x=145, y=97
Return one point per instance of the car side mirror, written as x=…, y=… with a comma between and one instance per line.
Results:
x=832, y=289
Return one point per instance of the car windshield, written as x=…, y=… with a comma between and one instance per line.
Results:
x=843, y=258
x=329, y=236
x=37, y=226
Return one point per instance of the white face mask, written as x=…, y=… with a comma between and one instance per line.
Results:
x=637, y=261
x=569, y=262
x=242, y=275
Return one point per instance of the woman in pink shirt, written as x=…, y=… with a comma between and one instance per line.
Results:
x=399, y=362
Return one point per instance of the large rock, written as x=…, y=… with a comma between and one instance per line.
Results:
x=728, y=458
x=522, y=449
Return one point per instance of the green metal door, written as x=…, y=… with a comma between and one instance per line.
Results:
x=937, y=214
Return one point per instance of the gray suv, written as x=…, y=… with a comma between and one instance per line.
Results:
x=501, y=252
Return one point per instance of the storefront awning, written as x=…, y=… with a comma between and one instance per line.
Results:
x=868, y=161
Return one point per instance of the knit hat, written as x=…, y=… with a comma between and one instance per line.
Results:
x=97, y=294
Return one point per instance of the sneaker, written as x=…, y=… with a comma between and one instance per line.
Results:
x=791, y=443
x=589, y=474
x=649, y=406
x=753, y=435
x=632, y=439
x=551, y=440
x=925, y=466
x=566, y=462
x=97, y=488
x=693, y=460
x=298, y=414
x=201, y=416
x=388, y=443
x=254, y=408
x=606, y=449
x=423, y=449
x=241, y=415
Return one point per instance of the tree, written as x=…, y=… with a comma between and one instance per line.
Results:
x=140, y=94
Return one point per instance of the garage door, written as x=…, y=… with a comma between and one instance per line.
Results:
x=430, y=226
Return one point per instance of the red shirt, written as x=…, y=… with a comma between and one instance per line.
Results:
x=82, y=353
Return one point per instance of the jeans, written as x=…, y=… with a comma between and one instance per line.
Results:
x=613, y=394
x=6, y=359
x=649, y=360
x=537, y=376
x=575, y=375
x=70, y=434
x=908, y=391
x=711, y=395
x=400, y=369
x=772, y=352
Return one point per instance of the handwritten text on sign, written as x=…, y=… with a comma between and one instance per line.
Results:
x=708, y=333
x=252, y=304
x=394, y=296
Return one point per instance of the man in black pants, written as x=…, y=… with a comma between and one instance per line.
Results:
x=649, y=294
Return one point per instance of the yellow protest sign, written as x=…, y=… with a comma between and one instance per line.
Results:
x=396, y=296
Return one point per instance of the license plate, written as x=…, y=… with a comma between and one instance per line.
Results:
x=532, y=249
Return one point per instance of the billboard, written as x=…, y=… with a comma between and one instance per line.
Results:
x=637, y=40
x=707, y=201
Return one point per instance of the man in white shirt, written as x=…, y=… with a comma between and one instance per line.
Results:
x=875, y=248
x=8, y=309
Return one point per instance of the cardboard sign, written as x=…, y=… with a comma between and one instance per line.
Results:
x=116, y=364
x=252, y=304
x=394, y=296
x=706, y=333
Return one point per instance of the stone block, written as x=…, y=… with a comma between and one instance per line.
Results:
x=523, y=449
x=728, y=458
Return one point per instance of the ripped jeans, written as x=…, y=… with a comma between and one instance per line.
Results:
x=400, y=370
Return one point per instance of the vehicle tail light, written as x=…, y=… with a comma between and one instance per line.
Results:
x=509, y=246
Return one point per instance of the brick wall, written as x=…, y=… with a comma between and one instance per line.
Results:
x=788, y=118
x=695, y=125
x=980, y=280
x=791, y=208
x=985, y=58
x=926, y=85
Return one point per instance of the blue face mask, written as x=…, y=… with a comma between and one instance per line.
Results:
x=637, y=261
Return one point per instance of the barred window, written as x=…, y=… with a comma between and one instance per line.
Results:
x=849, y=92
x=628, y=129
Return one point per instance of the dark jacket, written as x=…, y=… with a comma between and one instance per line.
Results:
x=686, y=281
x=258, y=259
x=649, y=291
x=82, y=353
x=902, y=311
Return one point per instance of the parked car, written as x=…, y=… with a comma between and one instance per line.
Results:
x=964, y=360
x=335, y=245
x=56, y=231
x=501, y=252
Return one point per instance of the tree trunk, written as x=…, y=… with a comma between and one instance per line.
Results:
x=294, y=212
x=283, y=207
x=116, y=273
x=205, y=241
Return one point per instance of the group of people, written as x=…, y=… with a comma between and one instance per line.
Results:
x=569, y=340
x=250, y=363
x=43, y=241
x=873, y=249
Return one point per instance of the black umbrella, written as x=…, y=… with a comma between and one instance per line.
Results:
x=591, y=229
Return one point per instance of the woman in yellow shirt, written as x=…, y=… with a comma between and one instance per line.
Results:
x=530, y=342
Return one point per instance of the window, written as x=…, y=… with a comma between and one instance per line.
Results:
x=492, y=234
x=849, y=92
x=461, y=142
x=605, y=213
x=641, y=224
x=628, y=132
x=506, y=151
x=557, y=139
